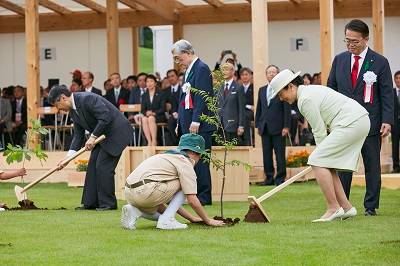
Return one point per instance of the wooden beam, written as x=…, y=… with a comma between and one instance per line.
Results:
x=112, y=37
x=259, y=30
x=32, y=56
x=378, y=23
x=177, y=34
x=130, y=3
x=55, y=7
x=277, y=11
x=165, y=9
x=214, y=3
x=12, y=7
x=92, y=5
x=326, y=37
x=135, y=50
x=296, y=1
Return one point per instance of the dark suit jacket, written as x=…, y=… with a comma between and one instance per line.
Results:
x=272, y=118
x=199, y=78
x=381, y=109
x=232, y=107
x=249, y=100
x=24, y=111
x=157, y=105
x=98, y=116
x=395, y=109
x=123, y=97
x=134, y=96
x=96, y=91
x=172, y=98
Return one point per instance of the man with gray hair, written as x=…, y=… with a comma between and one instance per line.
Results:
x=191, y=106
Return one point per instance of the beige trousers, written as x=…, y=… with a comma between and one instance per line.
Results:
x=148, y=197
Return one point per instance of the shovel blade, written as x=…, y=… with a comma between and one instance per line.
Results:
x=20, y=193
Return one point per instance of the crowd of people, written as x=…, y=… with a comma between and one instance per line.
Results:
x=277, y=116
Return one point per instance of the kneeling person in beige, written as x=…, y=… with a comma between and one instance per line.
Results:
x=166, y=178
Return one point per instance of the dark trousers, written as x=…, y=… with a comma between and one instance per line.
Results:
x=370, y=152
x=171, y=139
x=275, y=143
x=395, y=145
x=202, y=170
x=99, y=189
x=18, y=135
x=246, y=137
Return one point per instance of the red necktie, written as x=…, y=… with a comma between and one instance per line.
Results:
x=226, y=89
x=354, y=71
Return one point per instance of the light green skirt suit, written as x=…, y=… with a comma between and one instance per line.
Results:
x=346, y=120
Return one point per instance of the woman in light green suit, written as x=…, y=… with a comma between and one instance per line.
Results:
x=348, y=124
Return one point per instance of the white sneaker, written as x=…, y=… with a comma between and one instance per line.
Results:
x=170, y=224
x=129, y=216
x=350, y=213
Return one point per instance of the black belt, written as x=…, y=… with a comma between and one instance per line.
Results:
x=140, y=183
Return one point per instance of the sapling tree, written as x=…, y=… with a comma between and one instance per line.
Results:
x=212, y=103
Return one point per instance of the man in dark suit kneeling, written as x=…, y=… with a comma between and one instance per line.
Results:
x=95, y=114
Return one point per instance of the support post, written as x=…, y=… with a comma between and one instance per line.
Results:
x=326, y=37
x=112, y=37
x=32, y=57
x=378, y=21
x=135, y=50
x=259, y=28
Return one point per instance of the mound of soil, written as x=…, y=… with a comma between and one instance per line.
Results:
x=228, y=221
x=254, y=215
x=27, y=205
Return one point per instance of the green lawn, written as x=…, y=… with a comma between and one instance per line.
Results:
x=145, y=60
x=91, y=238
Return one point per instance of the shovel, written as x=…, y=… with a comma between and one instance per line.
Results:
x=256, y=213
x=21, y=192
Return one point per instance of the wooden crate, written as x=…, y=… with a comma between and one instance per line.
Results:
x=76, y=179
x=237, y=181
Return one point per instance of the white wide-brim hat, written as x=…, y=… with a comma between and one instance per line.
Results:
x=281, y=80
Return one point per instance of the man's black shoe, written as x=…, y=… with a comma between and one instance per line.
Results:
x=370, y=212
x=269, y=182
x=106, y=209
x=83, y=208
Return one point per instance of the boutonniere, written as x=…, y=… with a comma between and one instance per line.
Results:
x=189, y=75
x=188, y=104
x=367, y=65
x=369, y=78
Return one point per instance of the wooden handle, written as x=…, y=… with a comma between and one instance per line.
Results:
x=284, y=184
x=67, y=160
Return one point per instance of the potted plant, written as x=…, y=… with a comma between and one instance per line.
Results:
x=77, y=178
x=297, y=162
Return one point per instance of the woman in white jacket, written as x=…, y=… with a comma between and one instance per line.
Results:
x=348, y=125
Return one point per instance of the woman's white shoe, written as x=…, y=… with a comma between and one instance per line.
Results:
x=337, y=214
x=350, y=213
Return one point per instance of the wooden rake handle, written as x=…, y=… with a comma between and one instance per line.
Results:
x=284, y=184
x=67, y=160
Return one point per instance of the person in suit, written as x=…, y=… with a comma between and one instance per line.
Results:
x=171, y=96
x=117, y=95
x=272, y=123
x=98, y=116
x=87, y=83
x=348, y=125
x=246, y=76
x=396, y=124
x=231, y=104
x=5, y=119
x=364, y=75
x=153, y=110
x=191, y=106
x=19, y=115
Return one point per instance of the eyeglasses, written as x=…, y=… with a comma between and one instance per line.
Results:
x=353, y=42
x=177, y=59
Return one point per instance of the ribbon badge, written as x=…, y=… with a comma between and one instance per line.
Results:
x=188, y=99
x=369, y=78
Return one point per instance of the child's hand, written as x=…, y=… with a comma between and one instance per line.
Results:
x=21, y=172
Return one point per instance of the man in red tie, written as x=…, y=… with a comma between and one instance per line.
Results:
x=364, y=75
